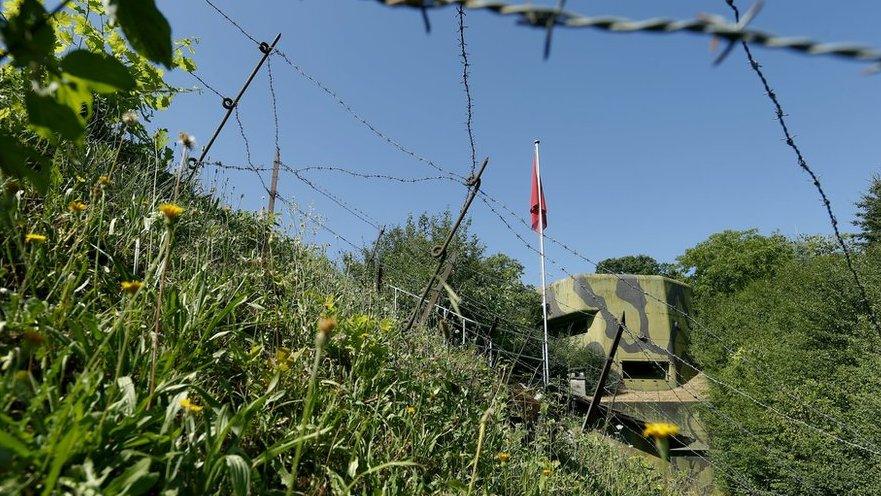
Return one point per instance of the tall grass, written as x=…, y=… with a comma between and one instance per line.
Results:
x=388, y=412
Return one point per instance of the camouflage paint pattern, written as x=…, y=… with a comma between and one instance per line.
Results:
x=588, y=307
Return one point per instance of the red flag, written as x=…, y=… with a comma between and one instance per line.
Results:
x=533, y=203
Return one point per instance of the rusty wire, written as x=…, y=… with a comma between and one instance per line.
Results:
x=469, y=106
x=803, y=164
x=710, y=25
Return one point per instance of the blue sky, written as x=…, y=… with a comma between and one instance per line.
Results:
x=646, y=148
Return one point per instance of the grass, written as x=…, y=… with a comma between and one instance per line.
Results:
x=227, y=405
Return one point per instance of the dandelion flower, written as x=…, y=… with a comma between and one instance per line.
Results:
x=187, y=140
x=171, y=211
x=503, y=457
x=190, y=406
x=131, y=287
x=410, y=409
x=77, y=206
x=130, y=118
x=547, y=472
x=34, y=238
x=326, y=325
x=103, y=180
x=660, y=430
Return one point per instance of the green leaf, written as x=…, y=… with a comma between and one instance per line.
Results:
x=239, y=473
x=136, y=480
x=24, y=42
x=10, y=442
x=146, y=29
x=102, y=72
x=21, y=161
x=47, y=115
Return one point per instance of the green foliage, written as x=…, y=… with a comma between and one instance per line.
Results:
x=394, y=413
x=636, y=264
x=798, y=344
x=728, y=261
x=57, y=96
x=869, y=214
x=486, y=285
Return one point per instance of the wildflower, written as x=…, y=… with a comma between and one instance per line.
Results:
x=33, y=337
x=103, y=180
x=329, y=303
x=77, y=206
x=171, y=211
x=131, y=287
x=190, y=406
x=660, y=430
x=34, y=238
x=282, y=359
x=410, y=409
x=547, y=471
x=187, y=140
x=326, y=325
x=503, y=456
x=130, y=118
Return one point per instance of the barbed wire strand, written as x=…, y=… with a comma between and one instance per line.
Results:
x=469, y=107
x=708, y=25
x=803, y=164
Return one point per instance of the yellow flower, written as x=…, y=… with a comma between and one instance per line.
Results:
x=547, y=472
x=503, y=457
x=77, y=206
x=34, y=238
x=660, y=430
x=326, y=325
x=410, y=409
x=283, y=359
x=131, y=287
x=190, y=406
x=171, y=211
x=103, y=180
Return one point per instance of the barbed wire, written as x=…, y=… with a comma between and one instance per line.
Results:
x=710, y=25
x=803, y=164
x=206, y=85
x=234, y=23
x=274, y=101
x=469, y=107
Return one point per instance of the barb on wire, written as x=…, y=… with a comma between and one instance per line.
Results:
x=803, y=164
x=366, y=175
x=274, y=101
x=551, y=22
x=469, y=107
x=206, y=85
x=715, y=26
x=234, y=23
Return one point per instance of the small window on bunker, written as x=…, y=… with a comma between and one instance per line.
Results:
x=570, y=325
x=644, y=369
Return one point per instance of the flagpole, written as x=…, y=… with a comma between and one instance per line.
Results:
x=541, y=248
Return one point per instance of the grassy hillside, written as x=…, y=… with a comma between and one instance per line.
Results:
x=230, y=303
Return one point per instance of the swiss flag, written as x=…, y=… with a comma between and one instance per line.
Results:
x=537, y=192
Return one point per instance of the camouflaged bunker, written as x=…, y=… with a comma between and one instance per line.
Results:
x=654, y=383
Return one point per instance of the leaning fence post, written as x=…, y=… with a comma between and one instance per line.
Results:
x=595, y=402
x=441, y=251
x=230, y=105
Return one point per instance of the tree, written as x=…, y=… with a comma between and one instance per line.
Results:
x=636, y=264
x=488, y=286
x=728, y=261
x=869, y=214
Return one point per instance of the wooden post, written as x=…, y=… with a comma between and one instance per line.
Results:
x=604, y=374
x=439, y=286
x=273, y=188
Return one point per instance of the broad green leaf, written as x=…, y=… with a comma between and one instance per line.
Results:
x=47, y=116
x=102, y=72
x=24, y=43
x=75, y=94
x=136, y=480
x=145, y=27
x=21, y=161
x=239, y=474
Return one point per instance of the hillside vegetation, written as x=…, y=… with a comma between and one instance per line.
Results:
x=97, y=275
